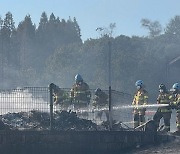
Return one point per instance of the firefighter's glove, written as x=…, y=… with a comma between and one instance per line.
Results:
x=172, y=105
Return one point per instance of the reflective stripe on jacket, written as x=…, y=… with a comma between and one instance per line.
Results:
x=140, y=98
x=77, y=89
x=163, y=98
x=175, y=98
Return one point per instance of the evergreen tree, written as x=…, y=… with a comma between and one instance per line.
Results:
x=6, y=32
x=26, y=37
x=43, y=22
x=77, y=28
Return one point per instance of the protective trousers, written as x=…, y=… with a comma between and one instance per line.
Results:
x=166, y=117
x=139, y=119
x=178, y=121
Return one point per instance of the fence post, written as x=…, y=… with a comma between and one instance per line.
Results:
x=110, y=108
x=51, y=105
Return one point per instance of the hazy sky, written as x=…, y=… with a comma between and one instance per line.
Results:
x=91, y=14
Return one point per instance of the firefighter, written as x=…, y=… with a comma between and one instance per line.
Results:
x=80, y=90
x=175, y=103
x=140, y=98
x=163, y=112
x=100, y=98
x=100, y=101
x=60, y=97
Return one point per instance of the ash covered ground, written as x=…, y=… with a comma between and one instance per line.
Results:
x=63, y=121
x=36, y=120
x=172, y=147
x=69, y=121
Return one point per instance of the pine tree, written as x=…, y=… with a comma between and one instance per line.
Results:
x=43, y=21
x=77, y=28
x=8, y=27
x=26, y=36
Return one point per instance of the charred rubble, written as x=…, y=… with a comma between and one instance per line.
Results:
x=37, y=120
x=63, y=121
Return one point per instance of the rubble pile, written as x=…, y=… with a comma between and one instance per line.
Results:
x=26, y=120
x=70, y=121
x=36, y=120
x=116, y=126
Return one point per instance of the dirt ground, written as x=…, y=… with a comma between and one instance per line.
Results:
x=172, y=147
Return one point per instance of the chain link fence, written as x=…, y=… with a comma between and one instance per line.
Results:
x=30, y=107
x=99, y=114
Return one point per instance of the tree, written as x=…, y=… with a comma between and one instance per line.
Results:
x=52, y=18
x=172, y=31
x=64, y=63
x=26, y=37
x=154, y=28
x=8, y=27
x=77, y=28
x=1, y=23
x=106, y=31
x=173, y=28
x=43, y=22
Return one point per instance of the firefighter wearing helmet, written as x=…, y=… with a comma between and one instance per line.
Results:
x=60, y=97
x=140, y=98
x=100, y=101
x=80, y=90
x=163, y=112
x=175, y=103
x=100, y=98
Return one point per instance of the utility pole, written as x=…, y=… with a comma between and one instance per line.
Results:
x=2, y=62
x=108, y=32
x=109, y=78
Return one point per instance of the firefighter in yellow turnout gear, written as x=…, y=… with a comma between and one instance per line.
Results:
x=140, y=98
x=80, y=90
x=175, y=103
x=163, y=112
x=61, y=97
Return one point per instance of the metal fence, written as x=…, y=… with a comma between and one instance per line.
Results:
x=120, y=112
x=24, y=100
x=23, y=107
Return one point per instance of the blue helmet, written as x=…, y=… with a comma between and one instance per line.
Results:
x=139, y=83
x=78, y=78
x=176, y=86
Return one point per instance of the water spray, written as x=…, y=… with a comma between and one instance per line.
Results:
x=121, y=107
x=140, y=106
